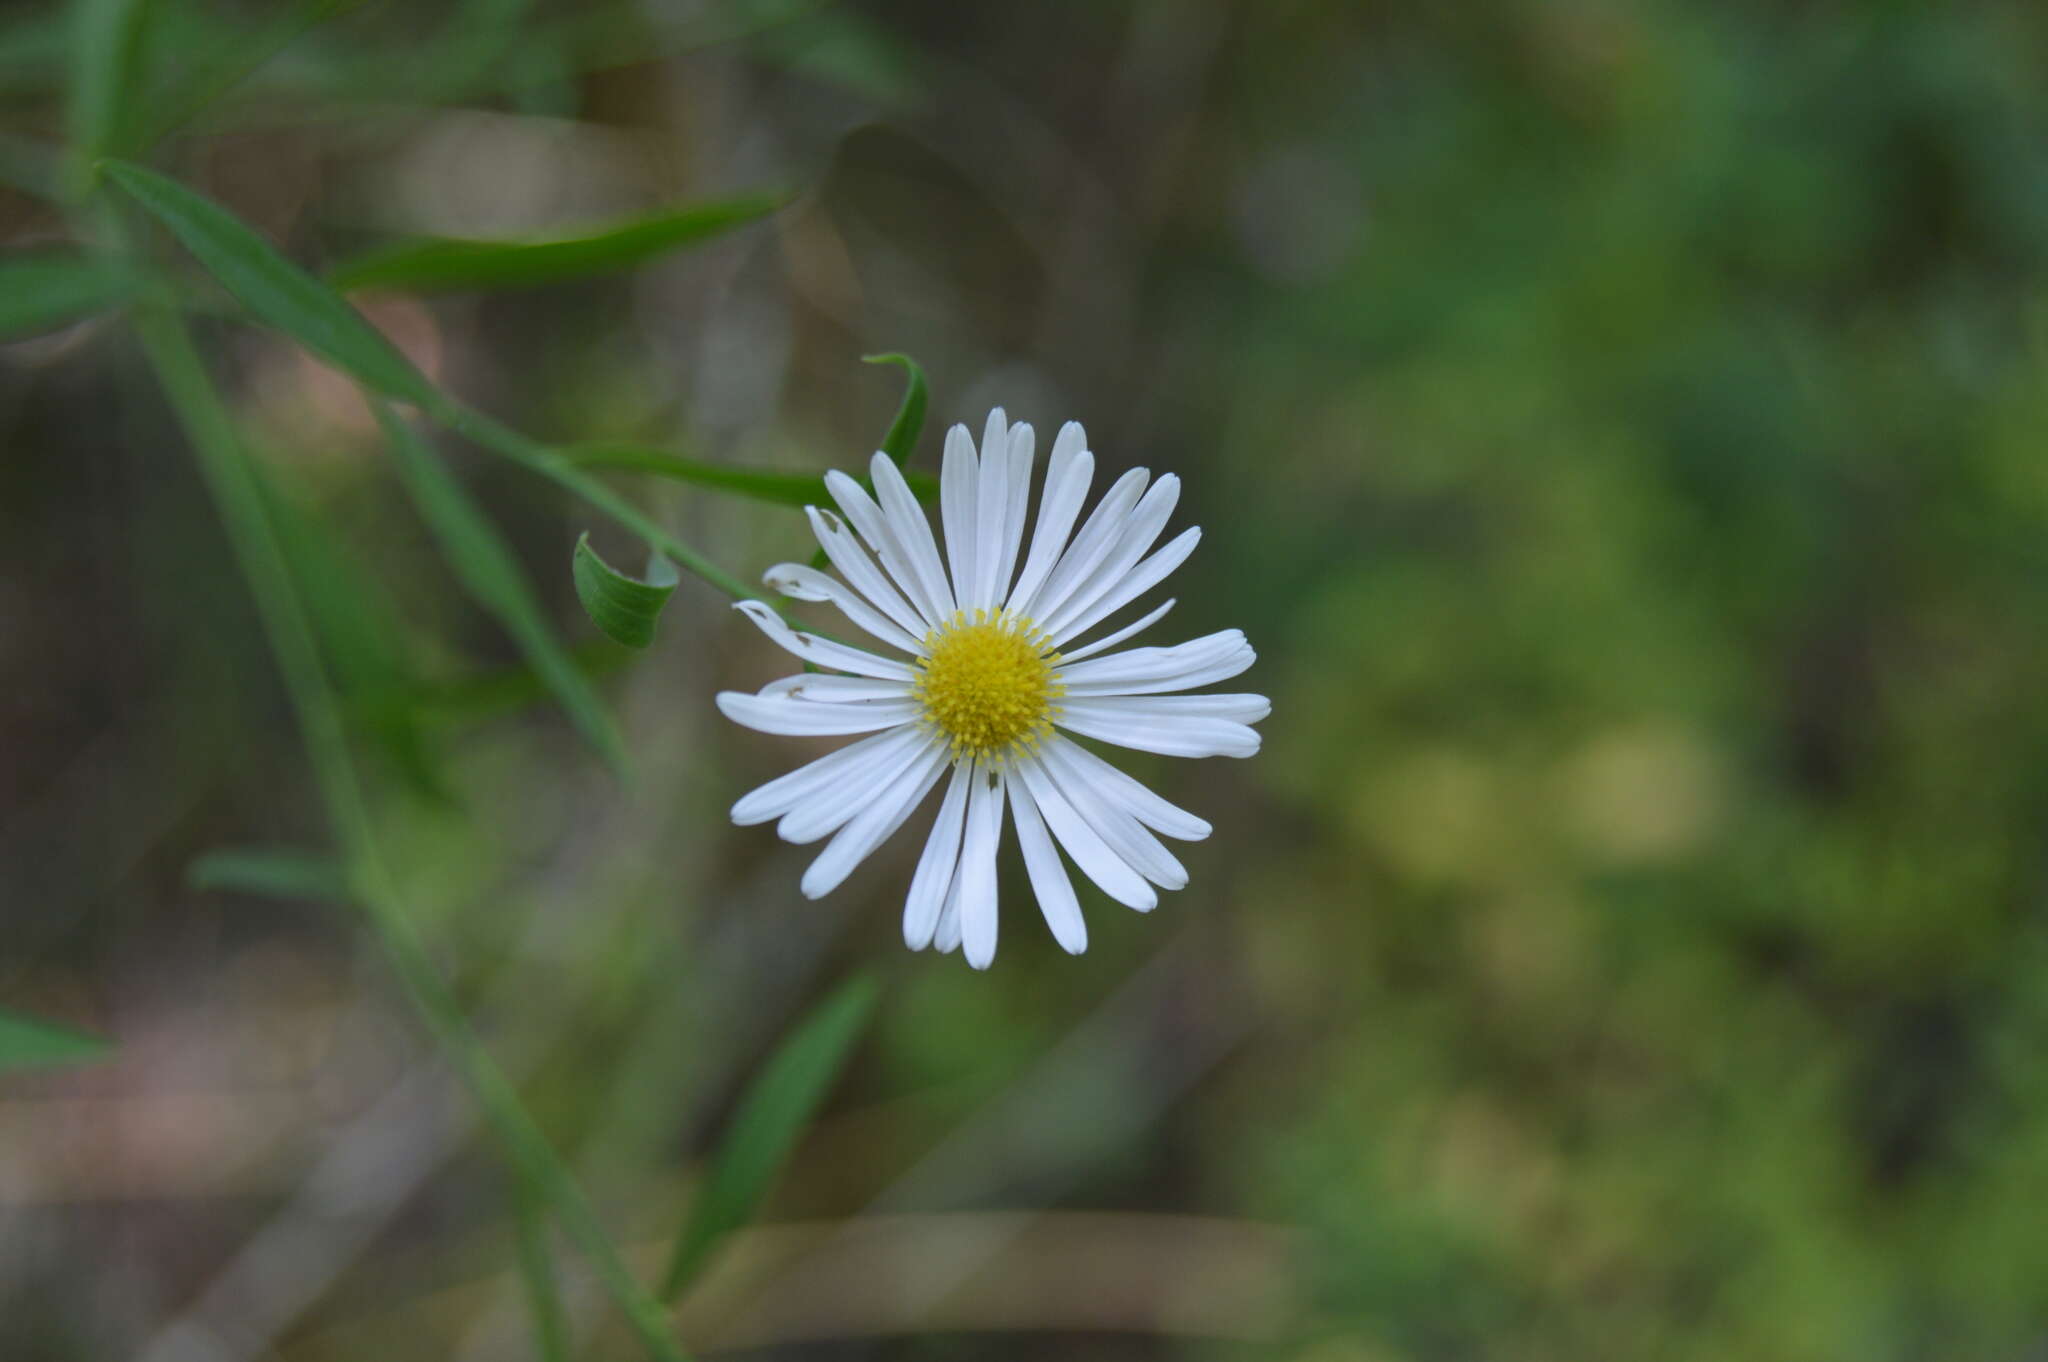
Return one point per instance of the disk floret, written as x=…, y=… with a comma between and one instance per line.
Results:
x=986, y=682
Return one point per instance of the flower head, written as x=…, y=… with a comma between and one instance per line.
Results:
x=990, y=687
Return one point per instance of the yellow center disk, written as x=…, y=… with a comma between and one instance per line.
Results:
x=987, y=684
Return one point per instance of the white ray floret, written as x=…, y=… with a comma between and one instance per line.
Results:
x=995, y=671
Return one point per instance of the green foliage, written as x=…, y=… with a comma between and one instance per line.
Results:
x=273, y=872
x=909, y=422
x=772, y=1116
x=782, y=489
x=484, y=564
x=452, y=264
x=275, y=290
x=47, y=289
x=624, y=607
x=30, y=1043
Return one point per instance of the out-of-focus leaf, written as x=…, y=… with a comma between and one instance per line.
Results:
x=624, y=607
x=226, y=59
x=42, y=291
x=273, y=871
x=783, y=489
x=275, y=290
x=105, y=42
x=909, y=422
x=484, y=564
x=451, y=263
x=33, y=167
x=773, y=1115
x=30, y=1043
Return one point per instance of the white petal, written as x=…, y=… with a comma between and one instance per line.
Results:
x=976, y=882
x=818, y=651
x=879, y=530
x=1109, y=871
x=946, y=936
x=1124, y=835
x=808, y=584
x=885, y=812
x=1098, y=537
x=785, y=792
x=1067, y=475
x=913, y=531
x=1148, y=671
x=1129, y=793
x=1133, y=583
x=832, y=803
x=1023, y=442
x=827, y=688
x=959, y=503
x=875, y=589
x=991, y=514
x=1111, y=640
x=1242, y=709
x=1049, y=882
x=1170, y=737
x=1140, y=530
x=809, y=718
x=937, y=865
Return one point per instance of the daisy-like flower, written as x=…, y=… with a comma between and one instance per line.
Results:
x=989, y=682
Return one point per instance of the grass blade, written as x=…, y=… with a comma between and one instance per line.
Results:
x=484, y=564
x=778, y=1106
x=45, y=290
x=275, y=290
x=30, y=1043
x=105, y=42
x=451, y=263
x=624, y=607
x=273, y=872
x=782, y=489
x=909, y=422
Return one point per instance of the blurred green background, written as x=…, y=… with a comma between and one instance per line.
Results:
x=1619, y=427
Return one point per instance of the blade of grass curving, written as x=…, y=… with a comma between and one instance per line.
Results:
x=624, y=607
x=909, y=422
x=484, y=564
x=47, y=289
x=278, y=292
x=277, y=872
x=777, y=1108
x=226, y=471
x=780, y=488
x=449, y=263
x=31, y=1043
x=105, y=44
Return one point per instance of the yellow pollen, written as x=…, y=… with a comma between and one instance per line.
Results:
x=987, y=683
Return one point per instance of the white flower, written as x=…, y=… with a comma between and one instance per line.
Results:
x=986, y=687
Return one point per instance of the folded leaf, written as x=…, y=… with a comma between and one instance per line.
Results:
x=624, y=607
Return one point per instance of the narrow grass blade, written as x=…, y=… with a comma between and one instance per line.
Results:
x=777, y=1108
x=45, y=290
x=275, y=290
x=909, y=422
x=105, y=47
x=624, y=607
x=274, y=872
x=770, y=485
x=30, y=1043
x=449, y=263
x=484, y=564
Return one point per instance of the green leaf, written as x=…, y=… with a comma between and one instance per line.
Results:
x=778, y=1105
x=275, y=290
x=274, y=872
x=451, y=263
x=624, y=607
x=43, y=291
x=909, y=422
x=781, y=488
x=28, y=1043
x=484, y=564
x=105, y=42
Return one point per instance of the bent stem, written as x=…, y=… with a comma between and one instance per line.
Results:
x=236, y=493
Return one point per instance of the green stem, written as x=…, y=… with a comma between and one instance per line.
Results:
x=537, y=1273
x=239, y=499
